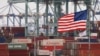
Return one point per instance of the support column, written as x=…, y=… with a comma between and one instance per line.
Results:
x=58, y=10
x=14, y=21
x=20, y=22
x=8, y=14
x=26, y=17
x=37, y=17
x=55, y=19
x=67, y=34
x=67, y=6
x=47, y=18
x=75, y=10
x=7, y=20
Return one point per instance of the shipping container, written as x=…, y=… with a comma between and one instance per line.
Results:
x=87, y=40
x=4, y=50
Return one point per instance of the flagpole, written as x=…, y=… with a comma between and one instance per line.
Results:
x=88, y=25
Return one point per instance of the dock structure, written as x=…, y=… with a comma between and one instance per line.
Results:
x=52, y=12
x=33, y=29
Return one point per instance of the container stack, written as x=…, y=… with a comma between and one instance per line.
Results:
x=4, y=50
x=70, y=49
x=86, y=49
x=18, y=50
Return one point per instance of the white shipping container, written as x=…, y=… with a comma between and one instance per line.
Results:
x=21, y=40
x=43, y=52
x=52, y=42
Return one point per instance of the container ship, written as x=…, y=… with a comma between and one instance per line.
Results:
x=53, y=28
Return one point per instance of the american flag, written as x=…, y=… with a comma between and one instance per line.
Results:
x=73, y=21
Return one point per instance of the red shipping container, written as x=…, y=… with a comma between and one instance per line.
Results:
x=18, y=53
x=4, y=50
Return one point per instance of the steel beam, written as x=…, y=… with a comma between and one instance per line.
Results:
x=26, y=13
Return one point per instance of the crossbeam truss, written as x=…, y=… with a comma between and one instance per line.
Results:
x=55, y=9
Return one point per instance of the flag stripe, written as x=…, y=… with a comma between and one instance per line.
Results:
x=74, y=25
x=70, y=23
x=65, y=21
x=68, y=18
x=72, y=28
